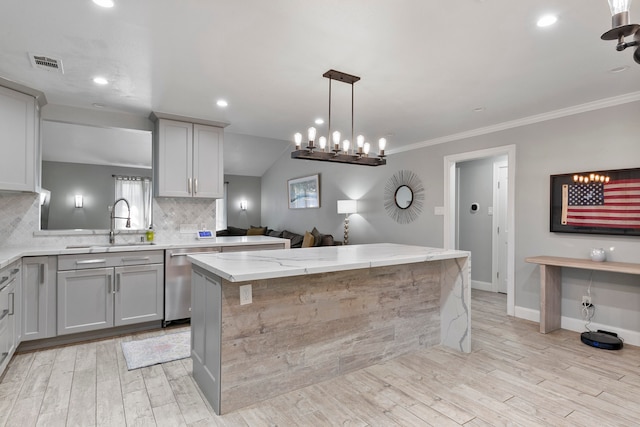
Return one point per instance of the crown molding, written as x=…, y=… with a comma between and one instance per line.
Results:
x=551, y=115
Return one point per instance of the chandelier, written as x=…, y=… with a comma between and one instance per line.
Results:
x=339, y=151
x=620, y=28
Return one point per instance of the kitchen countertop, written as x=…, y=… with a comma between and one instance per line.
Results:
x=243, y=266
x=9, y=254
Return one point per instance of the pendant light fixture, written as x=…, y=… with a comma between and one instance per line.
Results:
x=340, y=151
x=620, y=28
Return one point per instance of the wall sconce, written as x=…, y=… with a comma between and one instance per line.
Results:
x=78, y=200
x=347, y=207
x=243, y=205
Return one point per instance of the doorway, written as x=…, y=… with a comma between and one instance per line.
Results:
x=503, y=246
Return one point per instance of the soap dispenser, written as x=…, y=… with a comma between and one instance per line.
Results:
x=150, y=234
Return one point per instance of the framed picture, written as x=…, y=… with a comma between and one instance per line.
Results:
x=598, y=202
x=304, y=192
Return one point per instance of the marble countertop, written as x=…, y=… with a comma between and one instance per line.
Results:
x=9, y=254
x=243, y=266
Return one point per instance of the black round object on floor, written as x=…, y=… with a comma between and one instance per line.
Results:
x=601, y=340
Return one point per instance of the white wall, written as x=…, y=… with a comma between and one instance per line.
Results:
x=595, y=140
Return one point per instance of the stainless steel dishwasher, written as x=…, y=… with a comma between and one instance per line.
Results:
x=177, y=284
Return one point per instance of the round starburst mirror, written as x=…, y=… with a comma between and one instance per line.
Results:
x=404, y=196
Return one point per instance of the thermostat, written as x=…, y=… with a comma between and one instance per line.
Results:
x=205, y=234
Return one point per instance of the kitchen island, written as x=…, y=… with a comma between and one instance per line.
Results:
x=317, y=313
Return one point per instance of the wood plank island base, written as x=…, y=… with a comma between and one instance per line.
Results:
x=317, y=313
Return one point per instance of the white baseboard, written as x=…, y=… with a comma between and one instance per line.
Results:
x=482, y=286
x=577, y=325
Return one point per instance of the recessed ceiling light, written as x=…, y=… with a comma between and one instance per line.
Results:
x=619, y=69
x=100, y=81
x=478, y=109
x=98, y=105
x=547, y=20
x=222, y=103
x=319, y=121
x=104, y=3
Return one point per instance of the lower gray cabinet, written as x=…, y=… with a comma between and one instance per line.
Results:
x=98, y=298
x=9, y=313
x=85, y=300
x=38, y=315
x=139, y=294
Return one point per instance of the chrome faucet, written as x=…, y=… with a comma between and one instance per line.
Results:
x=112, y=235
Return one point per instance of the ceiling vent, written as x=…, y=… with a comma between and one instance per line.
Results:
x=46, y=63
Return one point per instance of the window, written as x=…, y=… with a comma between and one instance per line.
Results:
x=138, y=192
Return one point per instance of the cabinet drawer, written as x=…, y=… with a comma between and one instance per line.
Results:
x=99, y=260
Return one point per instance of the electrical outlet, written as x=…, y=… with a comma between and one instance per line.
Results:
x=586, y=301
x=245, y=294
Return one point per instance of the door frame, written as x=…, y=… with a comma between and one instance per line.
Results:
x=495, y=237
x=450, y=184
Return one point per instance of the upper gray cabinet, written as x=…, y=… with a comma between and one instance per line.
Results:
x=188, y=157
x=19, y=163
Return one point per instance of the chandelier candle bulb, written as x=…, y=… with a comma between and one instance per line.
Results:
x=336, y=141
x=312, y=136
x=345, y=146
x=382, y=144
x=367, y=147
x=297, y=138
x=323, y=143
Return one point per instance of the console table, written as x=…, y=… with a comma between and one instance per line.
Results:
x=551, y=283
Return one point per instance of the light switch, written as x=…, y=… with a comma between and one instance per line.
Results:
x=490, y=210
x=438, y=210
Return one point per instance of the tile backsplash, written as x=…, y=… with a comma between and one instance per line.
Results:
x=20, y=222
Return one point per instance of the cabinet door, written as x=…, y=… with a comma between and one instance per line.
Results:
x=7, y=325
x=85, y=300
x=8, y=312
x=139, y=294
x=208, y=162
x=18, y=141
x=38, y=309
x=174, y=147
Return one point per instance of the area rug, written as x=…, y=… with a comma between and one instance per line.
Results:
x=160, y=349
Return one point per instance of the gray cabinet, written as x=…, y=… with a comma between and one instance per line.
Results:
x=139, y=294
x=38, y=315
x=99, y=291
x=10, y=286
x=85, y=300
x=188, y=159
x=19, y=163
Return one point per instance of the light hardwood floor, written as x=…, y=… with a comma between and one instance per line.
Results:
x=514, y=376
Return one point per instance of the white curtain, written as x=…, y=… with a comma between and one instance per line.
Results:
x=138, y=192
x=221, y=210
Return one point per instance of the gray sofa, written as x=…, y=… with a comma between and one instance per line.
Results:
x=297, y=240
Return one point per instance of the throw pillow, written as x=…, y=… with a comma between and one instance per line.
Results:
x=327, y=240
x=317, y=237
x=308, y=240
x=235, y=231
x=274, y=233
x=296, y=239
x=256, y=231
